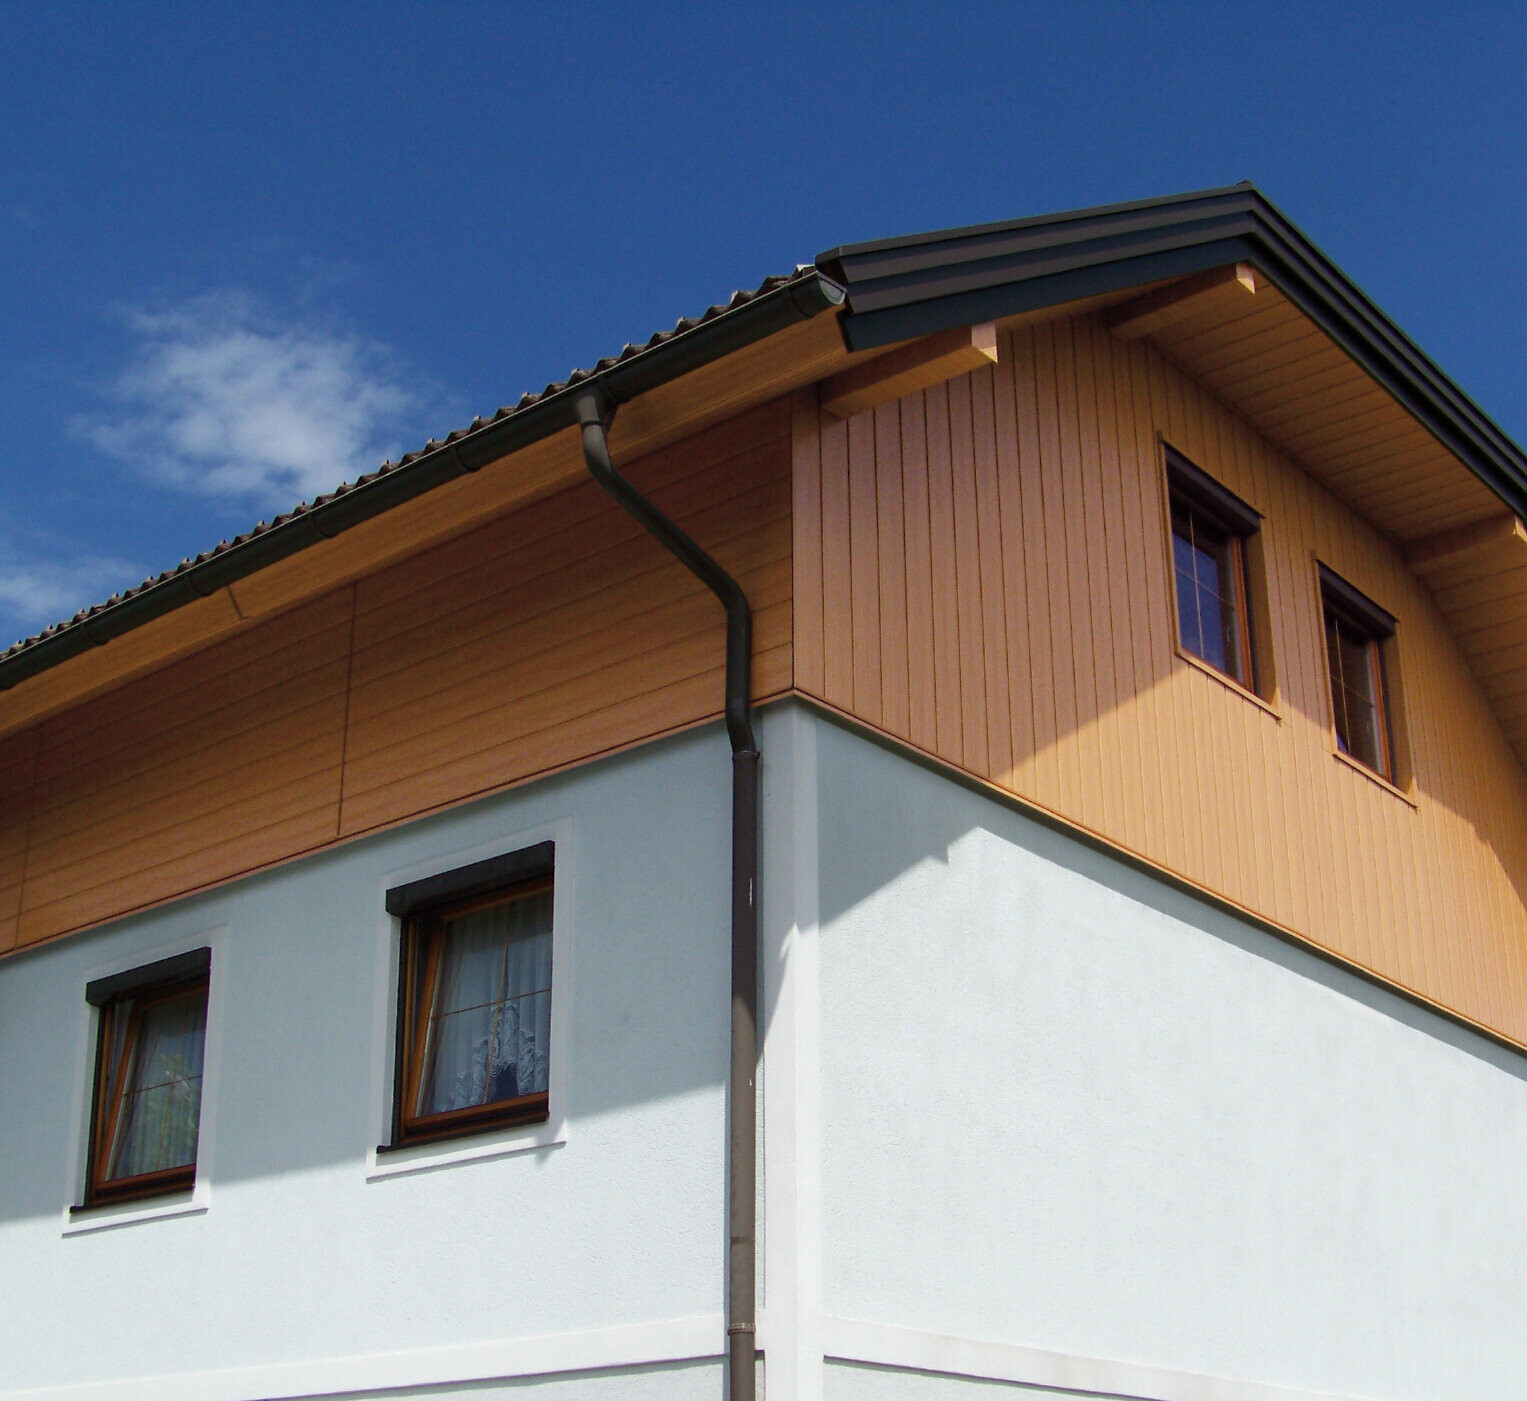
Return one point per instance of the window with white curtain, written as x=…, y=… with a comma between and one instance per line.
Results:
x=474, y=1001
x=146, y=1105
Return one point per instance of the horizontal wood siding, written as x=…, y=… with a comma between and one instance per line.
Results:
x=1012, y=526
x=538, y=640
x=18, y=769
x=214, y=766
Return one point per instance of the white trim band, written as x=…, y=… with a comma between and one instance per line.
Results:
x=631, y=1345
x=913, y=1350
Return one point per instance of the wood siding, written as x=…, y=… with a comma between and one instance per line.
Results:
x=979, y=569
x=982, y=571
x=543, y=638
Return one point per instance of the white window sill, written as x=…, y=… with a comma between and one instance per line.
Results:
x=108, y=1218
x=428, y=1157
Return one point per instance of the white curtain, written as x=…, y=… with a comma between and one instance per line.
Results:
x=491, y=1023
x=161, y=1111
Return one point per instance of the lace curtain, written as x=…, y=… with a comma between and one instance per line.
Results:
x=161, y=1109
x=491, y=1023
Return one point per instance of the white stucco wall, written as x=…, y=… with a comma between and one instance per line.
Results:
x=1034, y=1124
x=1080, y=1130
x=306, y=1273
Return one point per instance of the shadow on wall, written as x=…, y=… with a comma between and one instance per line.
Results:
x=996, y=586
x=884, y=816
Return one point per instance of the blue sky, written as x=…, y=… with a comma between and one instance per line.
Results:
x=249, y=251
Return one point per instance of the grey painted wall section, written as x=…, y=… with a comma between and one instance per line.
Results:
x=1066, y=1107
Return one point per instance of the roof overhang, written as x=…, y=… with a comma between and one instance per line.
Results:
x=906, y=287
x=1223, y=285
x=760, y=346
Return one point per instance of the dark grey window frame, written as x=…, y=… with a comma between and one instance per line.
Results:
x=1216, y=501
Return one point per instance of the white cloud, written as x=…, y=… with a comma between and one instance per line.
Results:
x=37, y=589
x=223, y=398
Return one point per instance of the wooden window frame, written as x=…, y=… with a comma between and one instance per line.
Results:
x=424, y=906
x=1376, y=626
x=1198, y=494
x=142, y=988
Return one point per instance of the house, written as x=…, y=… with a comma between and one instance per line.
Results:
x=1133, y=876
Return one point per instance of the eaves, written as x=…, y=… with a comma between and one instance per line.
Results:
x=904, y=287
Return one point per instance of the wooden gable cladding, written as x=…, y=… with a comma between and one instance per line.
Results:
x=982, y=572
x=542, y=639
x=1240, y=337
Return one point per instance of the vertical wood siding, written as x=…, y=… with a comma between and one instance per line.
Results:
x=541, y=639
x=982, y=571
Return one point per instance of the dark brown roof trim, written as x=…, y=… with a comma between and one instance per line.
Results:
x=748, y=317
x=904, y=287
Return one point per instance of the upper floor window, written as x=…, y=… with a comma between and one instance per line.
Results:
x=474, y=1010
x=146, y=1107
x=1210, y=530
x=1356, y=629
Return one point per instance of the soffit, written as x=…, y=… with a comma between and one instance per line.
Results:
x=1262, y=356
x=1478, y=576
x=1302, y=391
x=717, y=390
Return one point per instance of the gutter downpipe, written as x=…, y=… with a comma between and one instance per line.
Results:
x=595, y=412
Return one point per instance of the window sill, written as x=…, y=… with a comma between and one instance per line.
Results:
x=86, y=1220
x=1229, y=683
x=1373, y=777
x=453, y=1152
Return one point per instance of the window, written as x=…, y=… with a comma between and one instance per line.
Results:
x=146, y=1112
x=1356, y=629
x=474, y=998
x=1210, y=531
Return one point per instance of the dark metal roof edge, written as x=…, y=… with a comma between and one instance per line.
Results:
x=802, y=295
x=1000, y=226
x=908, y=300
